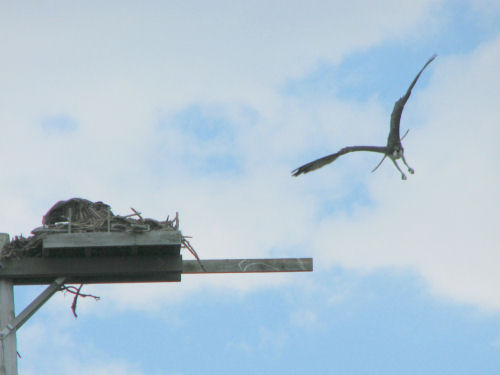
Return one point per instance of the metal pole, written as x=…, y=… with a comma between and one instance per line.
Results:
x=8, y=344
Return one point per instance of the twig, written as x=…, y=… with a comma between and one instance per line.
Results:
x=76, y=291
x=188, y=246
x=176, y=221
x=135, y=214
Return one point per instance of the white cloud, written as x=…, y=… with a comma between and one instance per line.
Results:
x=111, y=68
x=120, y=71
x=117, y=70
x=304, y=318
x=271, y=339
x=50, y=348
x=489, y=8
x=155, y=297
x=443, y=220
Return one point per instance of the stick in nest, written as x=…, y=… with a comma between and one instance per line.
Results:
x=188, y=246
x=138, y=214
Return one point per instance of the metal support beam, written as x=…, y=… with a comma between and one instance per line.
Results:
x=8, y=345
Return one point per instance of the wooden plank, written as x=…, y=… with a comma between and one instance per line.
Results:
x=39, y=270
x=110, y=251
x=112, y=239
x=143, y=268
x=8, y=354
x=248, y=265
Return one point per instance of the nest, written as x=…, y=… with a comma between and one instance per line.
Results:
x=79, y=215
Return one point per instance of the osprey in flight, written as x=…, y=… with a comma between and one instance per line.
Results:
x=394, y=149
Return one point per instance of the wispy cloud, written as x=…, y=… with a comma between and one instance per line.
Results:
x=214, y=66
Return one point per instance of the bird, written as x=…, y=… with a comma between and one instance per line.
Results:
x=394, y=149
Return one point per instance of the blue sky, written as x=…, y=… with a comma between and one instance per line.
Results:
x=205, y=110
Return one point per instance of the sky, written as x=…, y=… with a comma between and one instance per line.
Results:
x=204, y=108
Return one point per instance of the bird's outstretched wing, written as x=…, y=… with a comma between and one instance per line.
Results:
x=399, y=106
x=321, y=162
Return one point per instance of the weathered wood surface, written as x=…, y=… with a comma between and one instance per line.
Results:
x=128, y=269
x=41, y=270
x=33, y=307
x=112, y=239
x=8, y=345
x=248, y=265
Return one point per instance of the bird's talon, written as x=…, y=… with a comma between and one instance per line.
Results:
x=411, y=170
x=403, y=177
